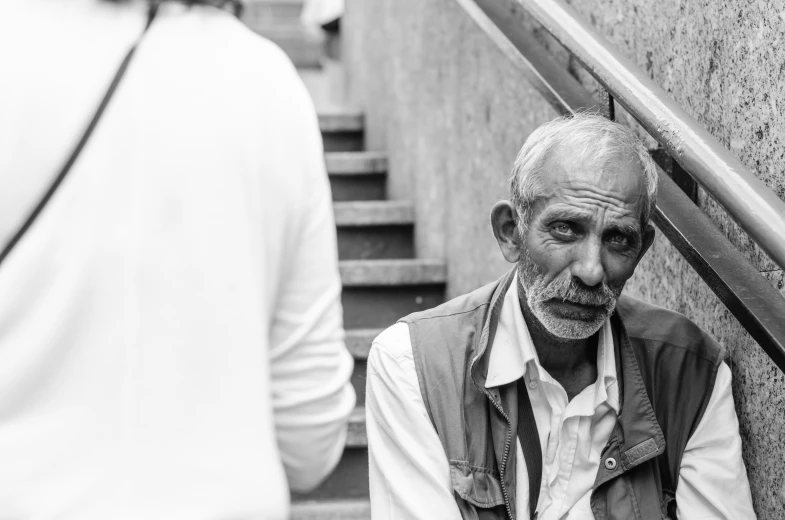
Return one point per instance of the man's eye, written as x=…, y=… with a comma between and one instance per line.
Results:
x=561, y=229
x=618, y=240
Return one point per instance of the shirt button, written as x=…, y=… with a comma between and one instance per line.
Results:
x=610, y=463
x=532, y=384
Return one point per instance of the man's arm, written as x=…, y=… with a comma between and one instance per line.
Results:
x=310, y=366
x=712, y=478
x=409, y=473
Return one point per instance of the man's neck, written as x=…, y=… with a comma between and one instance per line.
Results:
x=571, y=362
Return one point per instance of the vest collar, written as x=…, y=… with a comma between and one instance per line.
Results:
x=637, y=436
x=481, y=357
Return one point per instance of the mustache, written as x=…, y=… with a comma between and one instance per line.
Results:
x=569, y=290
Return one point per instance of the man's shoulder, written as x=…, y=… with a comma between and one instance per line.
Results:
x=659, y=327
x=392, y=343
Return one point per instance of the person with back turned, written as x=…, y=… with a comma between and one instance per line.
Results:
x=548, y=394
x=171, y=341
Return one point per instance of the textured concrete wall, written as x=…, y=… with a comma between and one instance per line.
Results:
x=452, y=112
x=724, y=63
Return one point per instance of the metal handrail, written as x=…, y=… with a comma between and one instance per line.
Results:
x=756, y=208
x=755, y=303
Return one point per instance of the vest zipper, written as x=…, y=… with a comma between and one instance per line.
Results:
x=506, y=453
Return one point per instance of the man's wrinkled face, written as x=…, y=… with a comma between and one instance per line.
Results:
x=583, y=242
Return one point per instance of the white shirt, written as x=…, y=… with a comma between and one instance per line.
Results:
x=171, y=341
x=409, y=472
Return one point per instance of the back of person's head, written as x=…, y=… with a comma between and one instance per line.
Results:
x=234, y=5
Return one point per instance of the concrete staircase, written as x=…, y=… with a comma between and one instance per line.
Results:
x=279, y=21
x=382, y=281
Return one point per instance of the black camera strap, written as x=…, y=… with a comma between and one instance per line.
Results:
x=58, y=180
x=530, y=444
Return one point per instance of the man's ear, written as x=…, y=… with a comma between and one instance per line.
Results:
x=646, y=241
x=505, y=230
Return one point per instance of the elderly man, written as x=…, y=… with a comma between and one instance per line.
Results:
x=546, y=394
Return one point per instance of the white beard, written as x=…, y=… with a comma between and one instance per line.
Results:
x=562, y=327
x=538, y=293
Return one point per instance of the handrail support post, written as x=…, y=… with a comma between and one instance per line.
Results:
x=680, y=177
x=609, y=104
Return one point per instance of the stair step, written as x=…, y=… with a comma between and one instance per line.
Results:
x=348, y=481
x=373, y=213
x=273, y=17
x=374, y=273
x=359, y=341
x=359, y=380
x=288, y=31
x=366, y=307
x=357, y=437
x=257, y=12
x=377, y=293
x=375, y=242
x=341, y=120
x=374, y=229
x=350, y=478
x=342, y=130
x=355, y=163
x=357, y=175
x=332, y=510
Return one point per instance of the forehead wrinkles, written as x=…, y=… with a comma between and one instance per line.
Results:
x=614, y=185
x=597, y=196
x=591, y=195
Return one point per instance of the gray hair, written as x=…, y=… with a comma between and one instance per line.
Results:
x=589, y=136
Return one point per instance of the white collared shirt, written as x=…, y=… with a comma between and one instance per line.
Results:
x=409, y=472
x=572, y=433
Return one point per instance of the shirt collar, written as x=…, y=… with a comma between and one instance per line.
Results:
x=513, y=352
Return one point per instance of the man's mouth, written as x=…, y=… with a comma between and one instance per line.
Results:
x=567, y=309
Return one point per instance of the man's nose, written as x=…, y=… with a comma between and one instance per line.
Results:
x=587, y=265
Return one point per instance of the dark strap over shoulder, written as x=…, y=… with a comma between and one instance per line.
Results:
x=530, y=444
x=57, y=181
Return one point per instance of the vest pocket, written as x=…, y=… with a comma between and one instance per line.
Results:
x=479, y=486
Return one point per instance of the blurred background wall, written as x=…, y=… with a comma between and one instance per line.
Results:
x=452, y=111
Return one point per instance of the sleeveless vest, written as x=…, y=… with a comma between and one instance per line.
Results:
x=666, y=366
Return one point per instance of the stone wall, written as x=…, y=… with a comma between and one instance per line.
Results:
x=452, y=111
